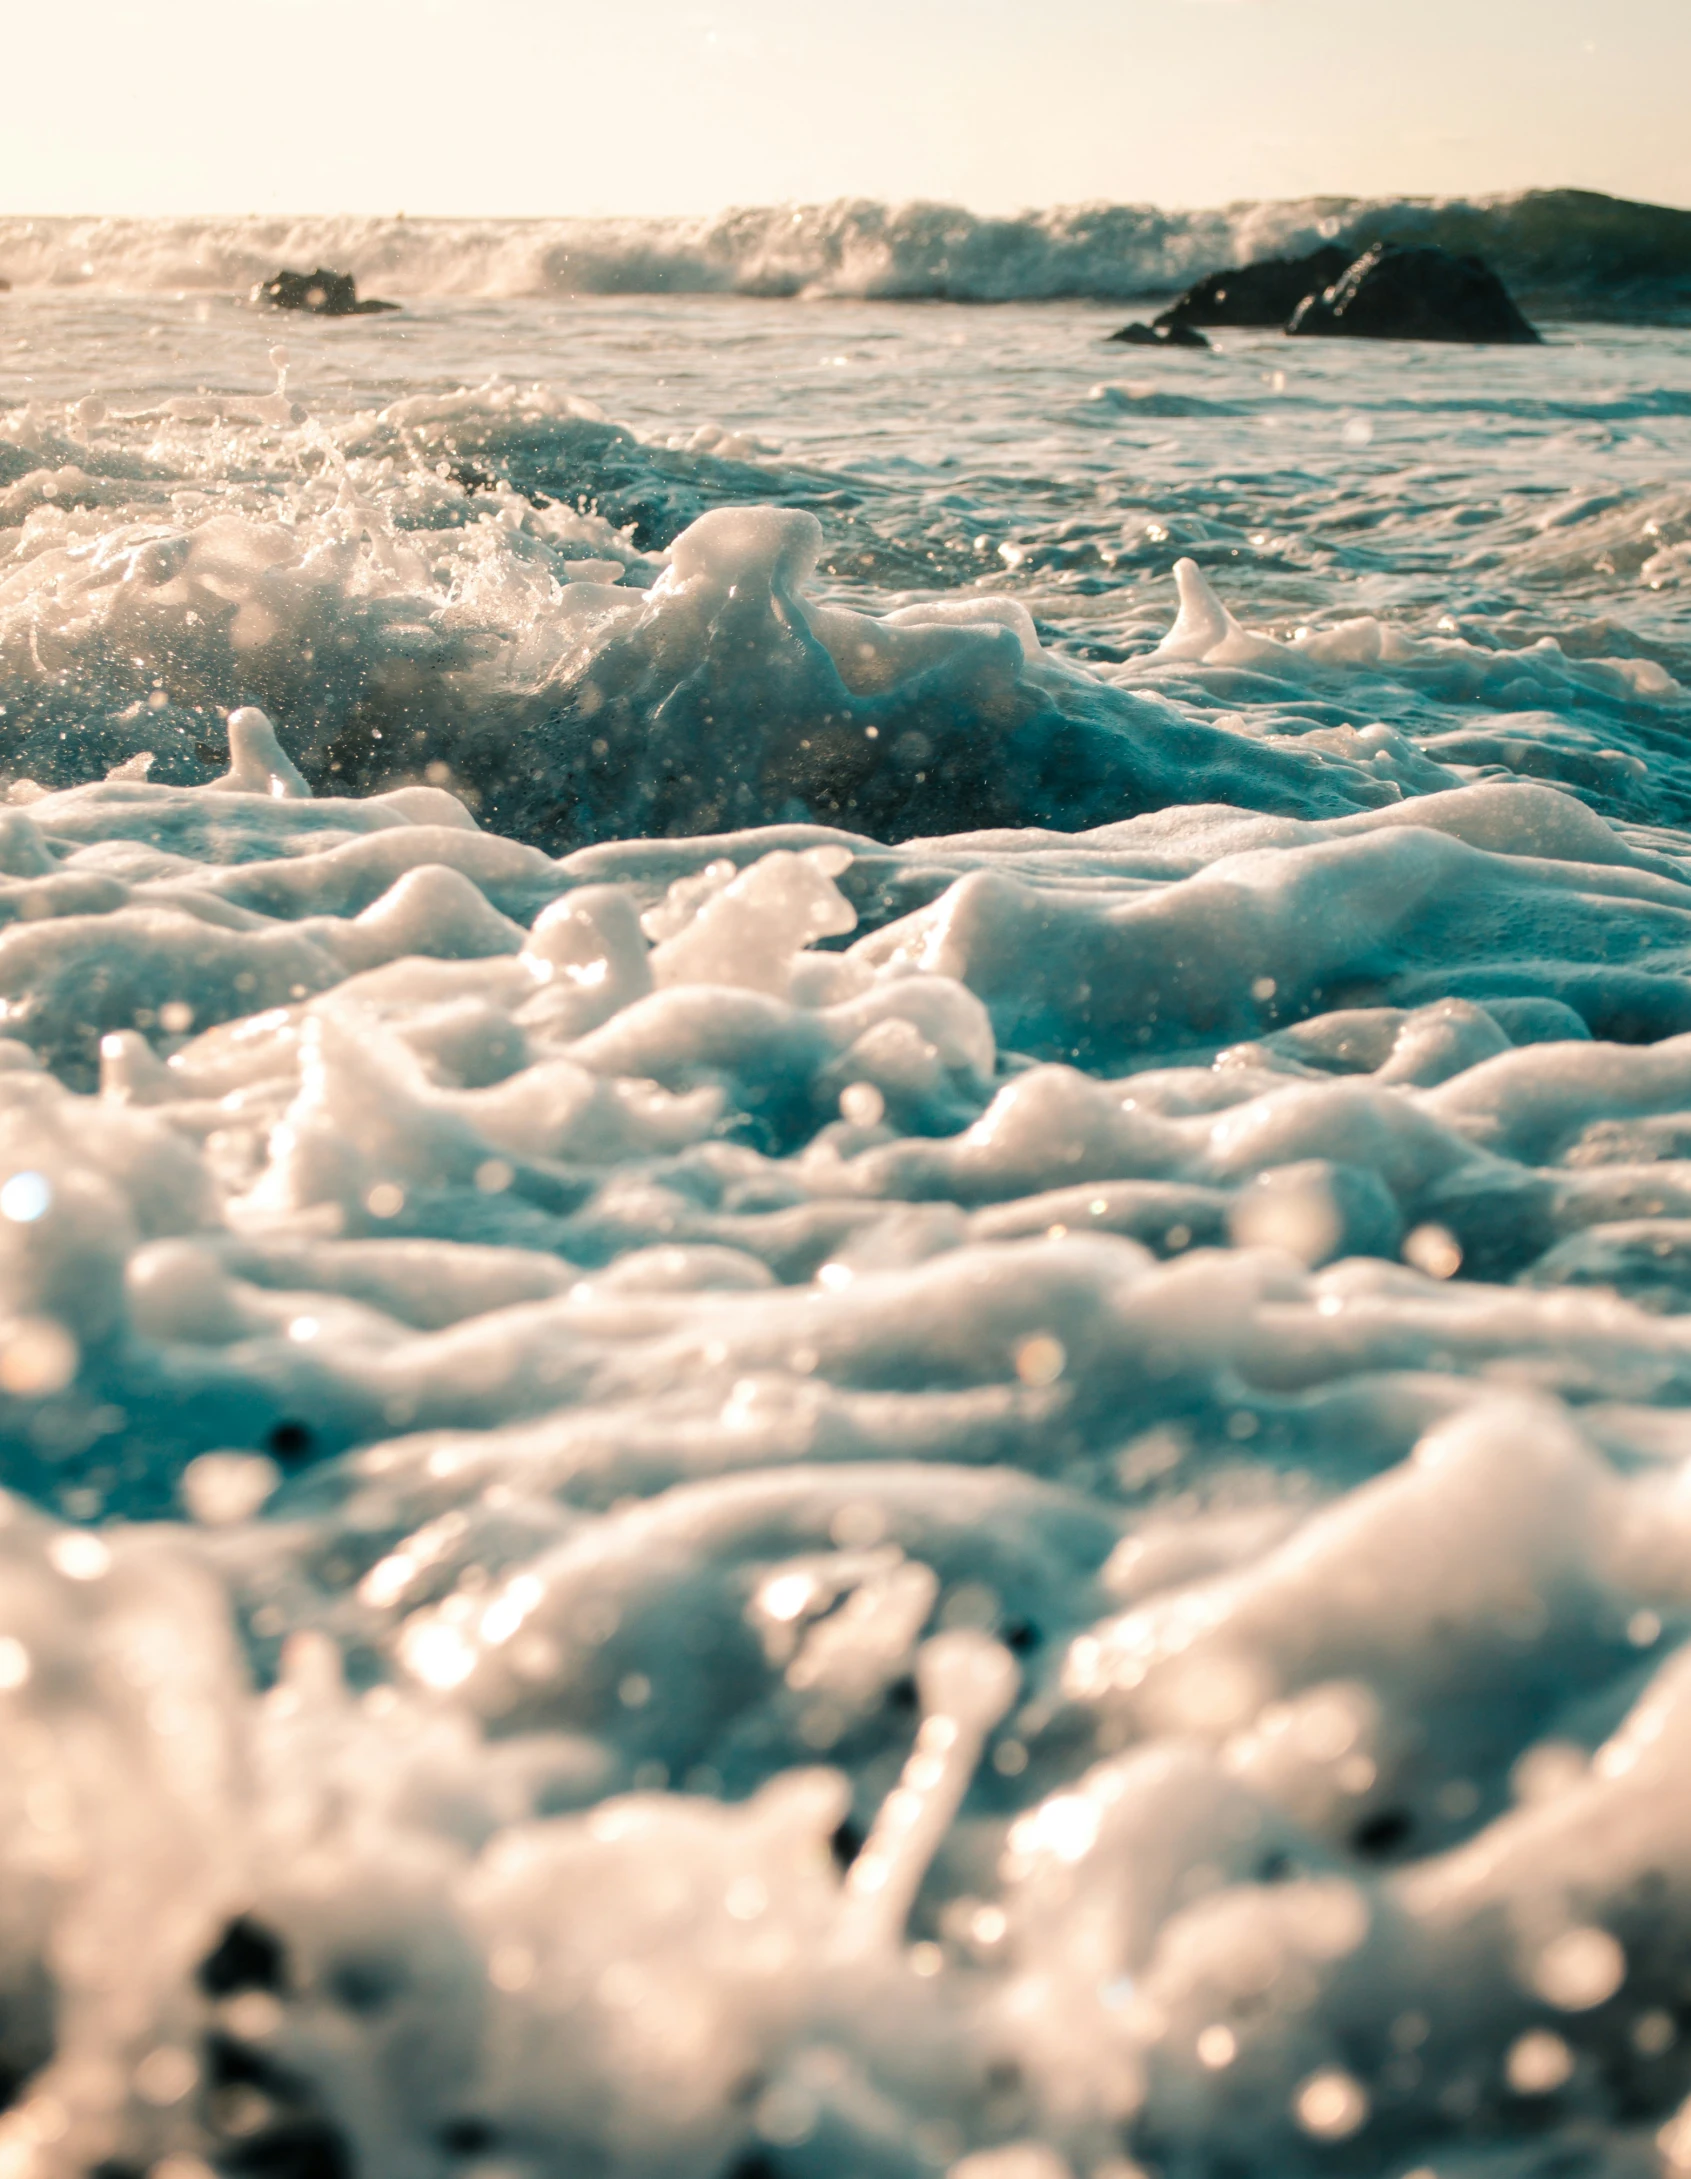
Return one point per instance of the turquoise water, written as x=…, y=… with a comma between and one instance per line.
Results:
x=844, y=1292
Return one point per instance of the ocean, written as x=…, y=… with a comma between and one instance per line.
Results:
x=845, y=1207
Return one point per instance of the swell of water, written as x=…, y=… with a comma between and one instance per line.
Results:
x=844, y=1248
x=1562, y=249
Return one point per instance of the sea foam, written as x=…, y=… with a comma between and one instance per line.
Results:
x=844, y=1249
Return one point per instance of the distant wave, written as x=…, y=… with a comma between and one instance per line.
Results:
x=1561, y=249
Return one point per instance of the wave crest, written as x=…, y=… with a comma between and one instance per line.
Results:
x=1559, y=248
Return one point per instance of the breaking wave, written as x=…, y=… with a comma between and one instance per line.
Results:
x=1564, y=248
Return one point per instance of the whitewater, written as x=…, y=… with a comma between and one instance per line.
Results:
x=1568, y=249
x=845, y=1228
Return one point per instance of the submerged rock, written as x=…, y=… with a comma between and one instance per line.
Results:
x=1160, y=335
x=324, y=293
x=1396, y=292
x=1261, y=294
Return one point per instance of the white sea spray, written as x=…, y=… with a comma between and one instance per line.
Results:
x=833, y=1340
x=1596, y=253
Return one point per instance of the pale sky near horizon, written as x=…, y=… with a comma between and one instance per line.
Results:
x=490, y=107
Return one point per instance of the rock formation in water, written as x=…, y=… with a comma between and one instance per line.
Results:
x=1261, y=294
x=1393, y=291
x=1160, y=335
x=1396, y=292
x=326, y=294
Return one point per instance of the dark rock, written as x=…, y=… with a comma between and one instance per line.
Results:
x=5, y=287
x=326, y=294
x=1160, y=336
x=1261, y=294
x=1395, y=292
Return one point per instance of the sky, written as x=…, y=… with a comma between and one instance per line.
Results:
x=489, y=107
